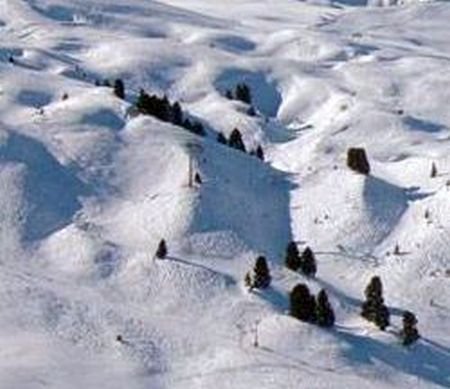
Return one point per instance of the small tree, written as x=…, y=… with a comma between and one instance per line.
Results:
x=302, y=304
x=308, y=263
x=243, y=93
x=177, y=114
x=357, y=160
x=261, y=276
x=324, y=311
x=236, y=141
x=248, y=281
x=410, y=333
x=434, y=171
x=119, y=89
x=198, y=179
x=161, y=252
x=373, y=309
x=221, y=138
x=292, y=260
x=260, y=153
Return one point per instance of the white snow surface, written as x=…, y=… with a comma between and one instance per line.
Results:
x=87, y=192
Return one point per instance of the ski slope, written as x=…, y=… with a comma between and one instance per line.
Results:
x=87, y=191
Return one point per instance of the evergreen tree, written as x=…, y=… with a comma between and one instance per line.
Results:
x=248, y=281
x=236, y=141
x=302, y=304
x=119, y=89
x=229, y=95
x=292, y=260
x=251, y=111
x=177, y=114
x=261, y=277
x=373, y=309
x=433, y=170
x=324, y=311
x=357, y=160
x=106, y=83
x=260, y=153
x=410, y=333
x=221, y=138
x=197, y=128
x=197, y=179
x=243, y=93
x=308, y=263
x=161, y=252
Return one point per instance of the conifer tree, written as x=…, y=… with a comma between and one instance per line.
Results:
x=260, y=153
x=302, y=304
x=409, y=333
x=357, y=160
x=221, y=138
x=261, y=273
x=373, y=309
x=119, y=89
x=243, y=93
x=292, y=260
x=236, y=141
x=248, y=281
x=324, y=311
x=433, y=170
x=177, y=114
x=161, y=252
x=308, y=263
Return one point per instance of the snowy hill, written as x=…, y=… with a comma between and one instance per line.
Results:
x=88, y=190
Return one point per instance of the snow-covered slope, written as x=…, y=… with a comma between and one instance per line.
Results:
x=87, y=190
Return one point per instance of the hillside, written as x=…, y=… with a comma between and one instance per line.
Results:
x=88, y=189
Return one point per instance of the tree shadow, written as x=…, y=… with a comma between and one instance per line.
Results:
x=425, y=360
x=348, y=300
x=228, y=279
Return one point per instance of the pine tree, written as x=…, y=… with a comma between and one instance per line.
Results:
x=221, y=138
x=357, y=160
x=261, y=277
x=119, y=89
x=260, y=153
x=236, y=141
x=177, y=114
x=248, y=281
x=373, y=309
x=198, y=179
x=410, y=333
x=324, y=311
x=161, y=252
x=197, y=128
x=308, y=263
x=302, y=303
x=292, y=260
x=434, y=171
x=243, y=93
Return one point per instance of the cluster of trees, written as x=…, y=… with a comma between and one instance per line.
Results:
x=235, y=141
x=306, y=262
x=375, y=311
x=162, y=109
x=242, y=93
x=317, y=309
x=306, y=307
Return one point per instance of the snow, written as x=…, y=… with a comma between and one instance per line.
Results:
x=87, y=191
